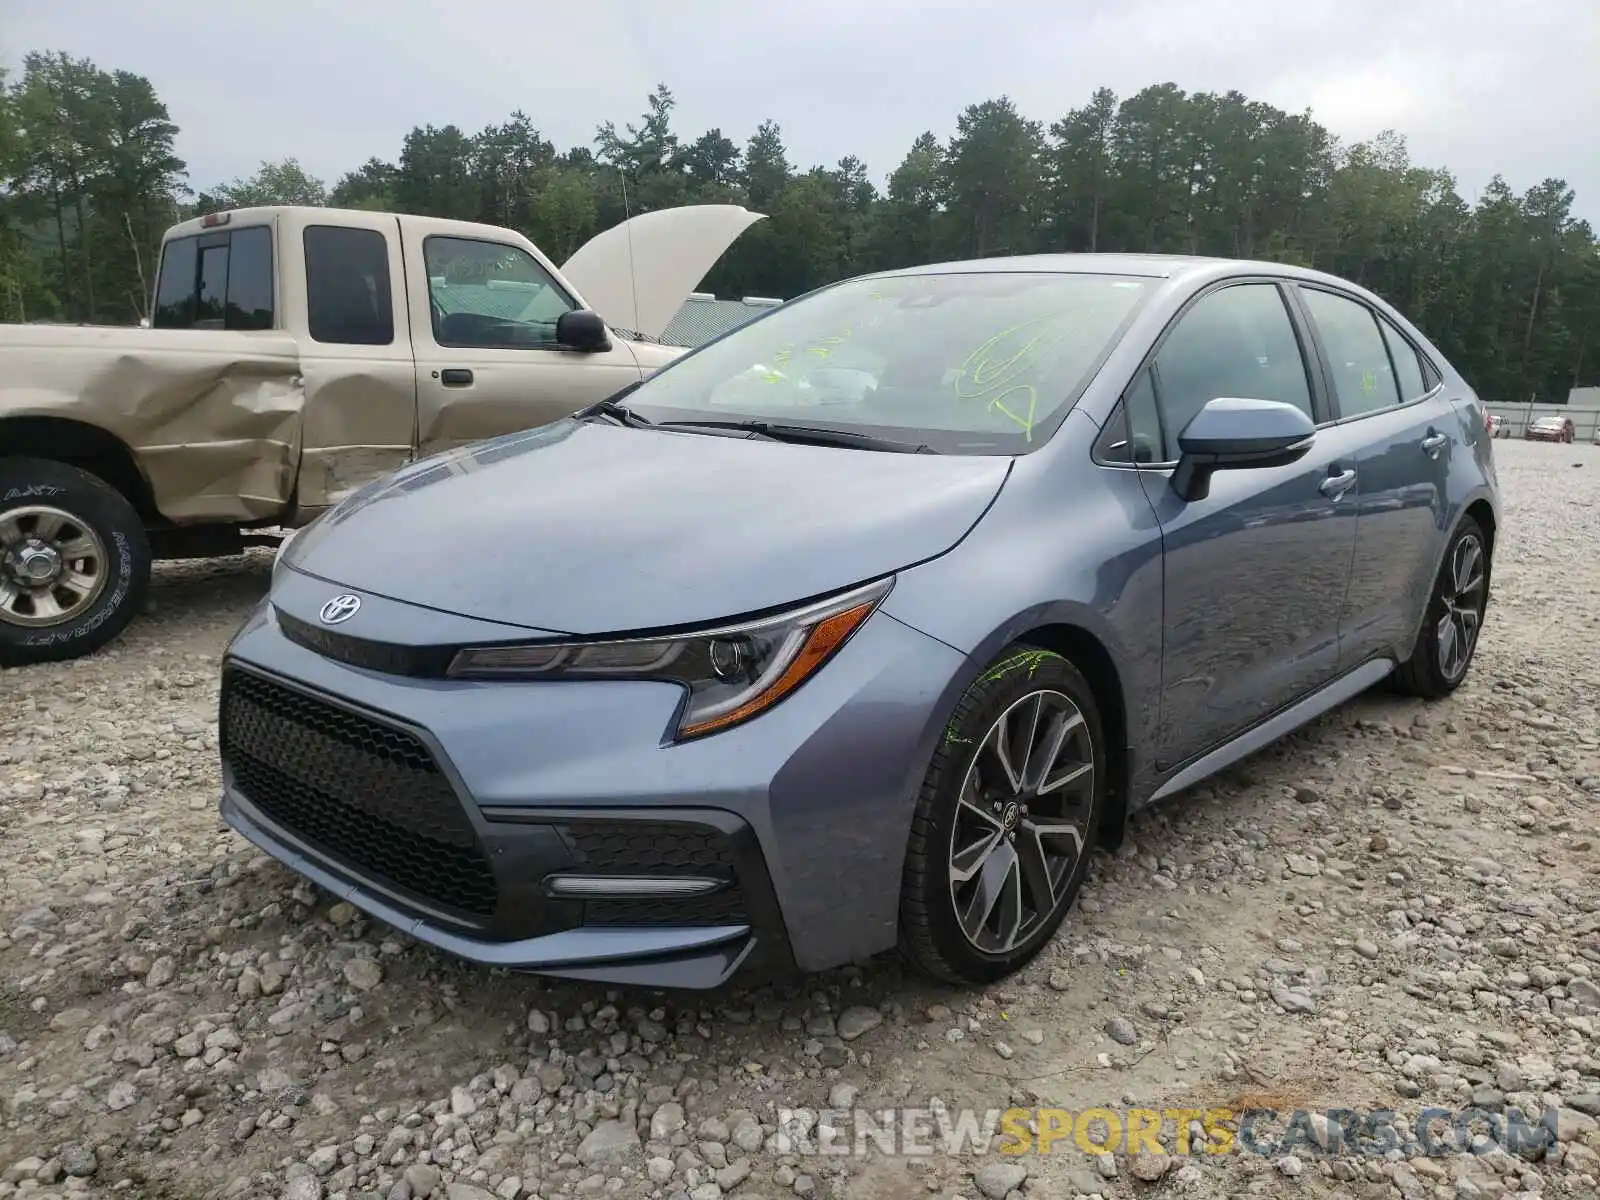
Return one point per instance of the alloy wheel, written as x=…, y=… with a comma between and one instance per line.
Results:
x=52, y=566
x=1464, y=594
x=1021, y=820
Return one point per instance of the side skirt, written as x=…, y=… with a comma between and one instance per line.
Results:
x=1285, y=721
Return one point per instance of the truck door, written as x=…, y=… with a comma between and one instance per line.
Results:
x=345, y=289
x=483, y=325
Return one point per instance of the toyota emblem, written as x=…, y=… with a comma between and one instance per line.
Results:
x=340, y=609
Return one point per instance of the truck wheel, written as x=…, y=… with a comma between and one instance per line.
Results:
x=74, y=562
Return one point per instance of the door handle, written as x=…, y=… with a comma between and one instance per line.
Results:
x=1433, y=443
x=1335, y=486
x=455, y=377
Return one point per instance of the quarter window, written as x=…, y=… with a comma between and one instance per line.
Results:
x=348, y=301
x=1237, y=342
x=216, y=281
x=488, y=294
x=1133, y=434
x=1407, y=362
x=1363, y=379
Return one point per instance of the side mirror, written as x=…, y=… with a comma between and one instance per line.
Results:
x=1230, y=434
x=582, y=330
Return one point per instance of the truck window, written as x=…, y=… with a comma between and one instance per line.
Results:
x=348, y=301
x=216, y=281
x=175, y=285
x=490, y=295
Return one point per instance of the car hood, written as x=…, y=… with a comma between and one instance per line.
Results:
x=588, y=528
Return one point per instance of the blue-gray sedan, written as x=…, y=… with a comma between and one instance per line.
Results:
x=864, y=624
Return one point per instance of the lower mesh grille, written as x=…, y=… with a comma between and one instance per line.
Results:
x=362, y=791
x=659, y=848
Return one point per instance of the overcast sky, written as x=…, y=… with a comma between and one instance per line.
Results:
x=1477, y=87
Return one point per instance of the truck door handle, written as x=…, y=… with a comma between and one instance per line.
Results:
x=1433, y=443
x=1335, y=486
x=455, y=377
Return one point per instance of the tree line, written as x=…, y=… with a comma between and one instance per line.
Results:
x=1508, y=287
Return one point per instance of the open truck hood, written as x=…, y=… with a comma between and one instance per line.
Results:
x=638, y=274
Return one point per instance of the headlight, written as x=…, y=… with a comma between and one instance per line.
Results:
x=731, y=674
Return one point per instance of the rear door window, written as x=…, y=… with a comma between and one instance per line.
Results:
x=1363, y=379
x=348, y=301
x=1407, y=363
x=220, y=280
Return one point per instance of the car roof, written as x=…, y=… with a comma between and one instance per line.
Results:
x=1152, y=266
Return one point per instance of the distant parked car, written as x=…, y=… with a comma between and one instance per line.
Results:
x=1495, y=425
x=1549, y=429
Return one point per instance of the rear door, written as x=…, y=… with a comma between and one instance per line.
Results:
x=347, y=308
x=1391, y=403
x=483, y=325
x=1255, y=573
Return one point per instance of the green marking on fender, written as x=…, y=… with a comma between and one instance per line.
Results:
x=1027, y=659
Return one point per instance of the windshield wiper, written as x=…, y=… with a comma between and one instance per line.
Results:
x=808, y=434
x=612, y=407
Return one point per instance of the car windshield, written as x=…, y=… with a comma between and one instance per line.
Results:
x=965, y=363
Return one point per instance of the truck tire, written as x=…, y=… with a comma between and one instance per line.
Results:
x=74, y=562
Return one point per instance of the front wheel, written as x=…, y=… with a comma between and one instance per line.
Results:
x=1453, y=620
x=74, y=562
x=1006, y=820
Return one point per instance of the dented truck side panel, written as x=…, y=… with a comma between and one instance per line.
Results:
x=360, y=399
x=213, y=419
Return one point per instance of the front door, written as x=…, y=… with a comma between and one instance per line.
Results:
x=483, y=328
x=1255, y=573
x=1391, y=400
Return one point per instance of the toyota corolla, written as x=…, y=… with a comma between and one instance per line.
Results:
x=863, y=625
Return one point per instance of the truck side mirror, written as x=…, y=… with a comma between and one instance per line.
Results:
x=582, y=330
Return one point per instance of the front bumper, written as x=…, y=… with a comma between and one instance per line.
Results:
x=446, y=808
x=371, y=809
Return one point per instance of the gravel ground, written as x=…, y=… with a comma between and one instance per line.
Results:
x=1395, y=909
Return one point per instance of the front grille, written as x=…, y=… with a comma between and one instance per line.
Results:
x=360, y=790
x=658, y=848
x=387, y=657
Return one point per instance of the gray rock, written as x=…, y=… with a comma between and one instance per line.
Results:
x=1121, y=1031
x=1149, y=1167
x=301, y=1183
x=78, y=1160
x=666, y=1121
x=422, y=1179
x=611, y=1143
x=363, y=974
x=857, y=1020
x=996, y=1180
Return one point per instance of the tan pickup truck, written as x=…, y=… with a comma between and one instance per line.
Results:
x=293, y=355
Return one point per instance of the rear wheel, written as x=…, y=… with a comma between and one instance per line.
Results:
x=1006, y=820
x=74, y=562
x=1454, y=618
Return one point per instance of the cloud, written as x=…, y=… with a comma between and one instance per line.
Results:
x=1475, y=88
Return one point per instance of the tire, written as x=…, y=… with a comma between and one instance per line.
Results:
x=931, y=933
x=1432, y=671
x=86, y=512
